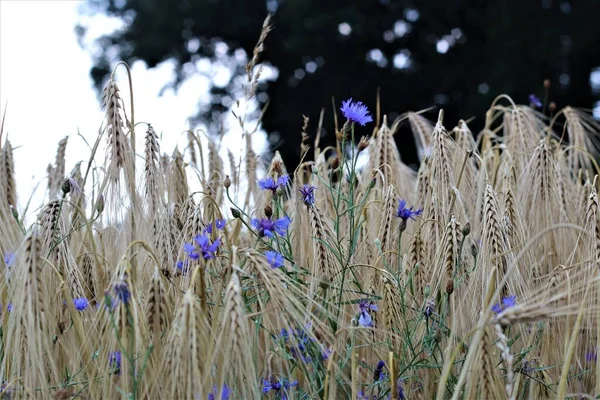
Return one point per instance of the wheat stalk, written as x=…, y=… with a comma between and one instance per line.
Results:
x=152, y=179
x=8, y=184
x=117, y=145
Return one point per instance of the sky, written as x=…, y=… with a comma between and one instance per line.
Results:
x=48, y=94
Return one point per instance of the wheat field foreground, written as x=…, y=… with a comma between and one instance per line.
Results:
x=208, y=275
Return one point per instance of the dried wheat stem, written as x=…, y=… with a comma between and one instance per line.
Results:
x=507, y=357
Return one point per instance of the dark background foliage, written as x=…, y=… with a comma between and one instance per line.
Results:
x=493, y=47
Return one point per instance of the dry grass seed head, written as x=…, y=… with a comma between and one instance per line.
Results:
x=8, y=185
x=117, y=143
x=177, y=181
x=216, y=173
x=583, y=133
x=325, y=268
x=185, y=350
x=152, y=177
x=422, y=130
x=157, y=306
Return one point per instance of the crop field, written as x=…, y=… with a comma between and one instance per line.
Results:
x=208, y=275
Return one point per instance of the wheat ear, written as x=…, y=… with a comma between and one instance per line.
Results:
x=8, y=184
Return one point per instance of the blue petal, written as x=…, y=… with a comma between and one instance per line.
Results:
x=365, y=319
x=188, y=247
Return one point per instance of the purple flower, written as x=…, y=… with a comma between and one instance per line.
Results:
x=378, y=373
x=356, y=112
x=407, y=213
x=190, y=249
x=535, y=101
x=80, y=303
x=122, y=291
x=301, y=344
x=401, y=395
x=308, y=194
x=284, y=334
x=219, y=223
x=268, y=386
x=114, y=362
x=9, y=259
x=270, y=184
x=274, y=259
x=363, y=396
x=268, y=228
x=6, y=391
x=9, y=307
x=277, y=384
x=225, y=391
x=507, y=302
x=590, y=356
x=183, y=267
x=364, y=318
x=207, y=248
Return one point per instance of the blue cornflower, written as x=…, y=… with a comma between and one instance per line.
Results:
x=378, y=373
x=182, y=267
x=219, y=223
x=274, y=259
x=268, y=386
x=114, y=362
x=122, y=291
x=364, y=318
x=590, y=356
x=268, y=228
x=299, y=341
x=407, y=213
x=535, y=101
x=80, y=303
x=225, y=391
x=6, y=391
x=308, y=194
x=207, y=248
x=9, y=259
x=284, y=334
x=271, y=184
x=277, y=384
x=190, y=249
x=401, y=395
x=356, y=112
x=302, y=340
x=507, y=302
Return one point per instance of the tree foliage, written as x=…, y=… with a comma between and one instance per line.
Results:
x=456, y=54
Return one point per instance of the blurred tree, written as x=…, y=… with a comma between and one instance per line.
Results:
x=456, y=54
